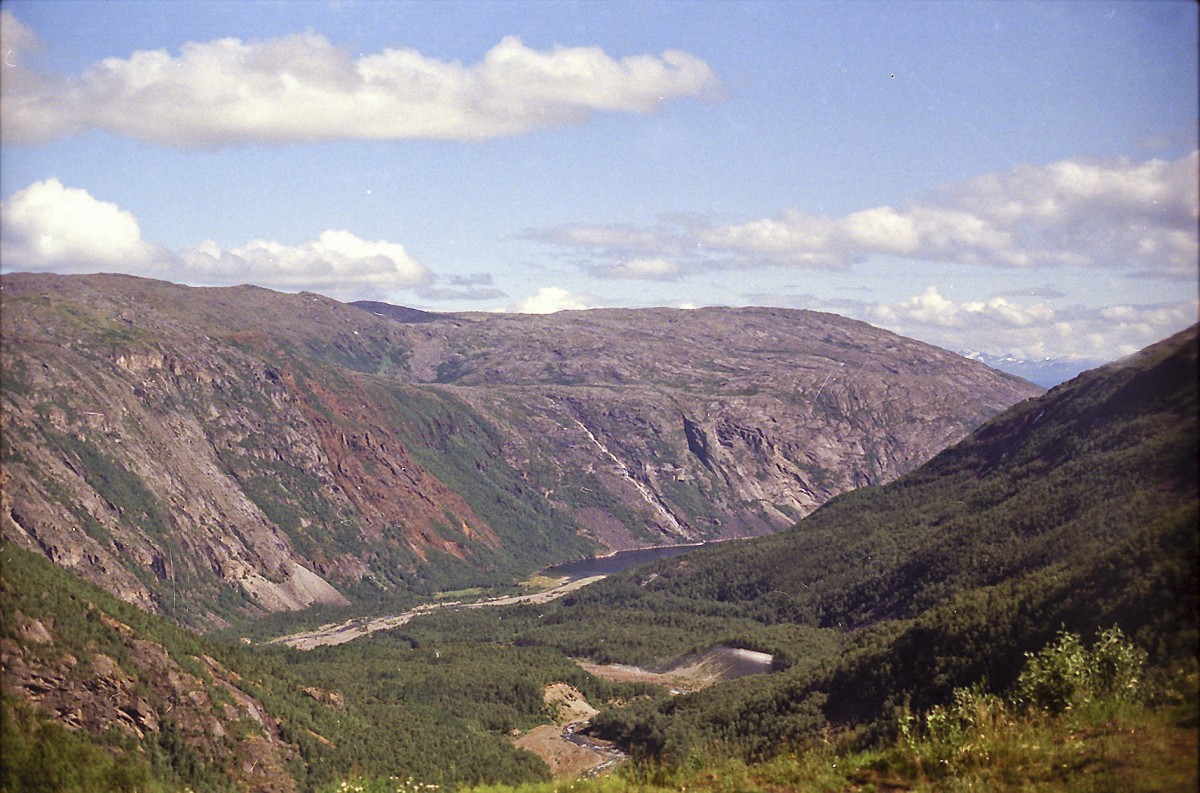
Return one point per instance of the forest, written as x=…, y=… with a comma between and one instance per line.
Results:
x=1034, y=584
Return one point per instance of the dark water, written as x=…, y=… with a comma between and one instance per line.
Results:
x=621, y=560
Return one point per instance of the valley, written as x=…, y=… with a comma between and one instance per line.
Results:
x=329, y=635
x=641, y=396
x=889, y=539
x=560, y=579
x=268, y=452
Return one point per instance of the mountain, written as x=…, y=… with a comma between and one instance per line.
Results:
x=1046, y=372
x=1062, y=478
x=1077, y=509
x=99, y=695
x=211, y=454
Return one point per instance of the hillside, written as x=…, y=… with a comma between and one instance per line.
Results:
x=1077, y=509
x=212, y=454
x=1058, y=479
x=147, y=705
x=99, y=695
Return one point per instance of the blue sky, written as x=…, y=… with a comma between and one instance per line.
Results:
x=1004, y=177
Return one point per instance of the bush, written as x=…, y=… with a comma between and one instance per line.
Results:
x=967, y=732
x=1066, y=674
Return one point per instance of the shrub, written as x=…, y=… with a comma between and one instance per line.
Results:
x=1066, y=674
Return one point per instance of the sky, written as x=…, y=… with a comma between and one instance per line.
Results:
x=1009, y=178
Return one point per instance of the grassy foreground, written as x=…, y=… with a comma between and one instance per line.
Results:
x=1135, y=750
x=1078, y=720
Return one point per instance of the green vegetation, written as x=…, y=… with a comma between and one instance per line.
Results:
x=1080, y=720
x=367, y=356
x=1077, y=510
x=42, y=756
x=926, y=635
x=455, y=444
x=465, y=698
x=115, y=483
x=437, y=710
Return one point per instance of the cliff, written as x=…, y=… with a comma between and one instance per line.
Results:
x=210, y=453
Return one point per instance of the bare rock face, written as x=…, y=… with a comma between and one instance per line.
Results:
x=693, y=425
x=205, y=453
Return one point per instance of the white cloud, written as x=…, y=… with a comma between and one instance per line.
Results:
x=49, y=227
x=337, y=264
x=16, y=38
x=927, y=308
x=656, y=268
x=793, y=238
x=882, y=229
x=1030, y=330
x=22, y=92
x=550, y=299
x=931, y=308
x=1139, y=217
x=304, y=88
x=1118, y=214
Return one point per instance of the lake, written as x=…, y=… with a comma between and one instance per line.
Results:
x=615, y=563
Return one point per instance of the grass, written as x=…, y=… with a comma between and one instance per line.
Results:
x=980, y=742
x=1136, y=750
x=540, y=583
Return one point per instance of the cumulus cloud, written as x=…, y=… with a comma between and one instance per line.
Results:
x=337, y=263
x=304, y=88
x=1139, y=217
x=47, y=226
x=550, y=299
x=50, y=227
x=931, y=308
x=1032, y=330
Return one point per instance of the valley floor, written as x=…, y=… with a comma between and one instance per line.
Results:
x=691, y=673
x=342, y=632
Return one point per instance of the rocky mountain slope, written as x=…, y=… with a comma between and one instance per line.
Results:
x=716, y=422
x=1057, y=480
x=1075, y=510
x=98, y=695
x=208, y=453
x=75, y=658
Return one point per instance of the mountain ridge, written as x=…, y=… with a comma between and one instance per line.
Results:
x=1046, y=372
x=263, y=451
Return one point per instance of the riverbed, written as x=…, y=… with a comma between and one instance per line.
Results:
x=571, y=575
x=342, y=632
